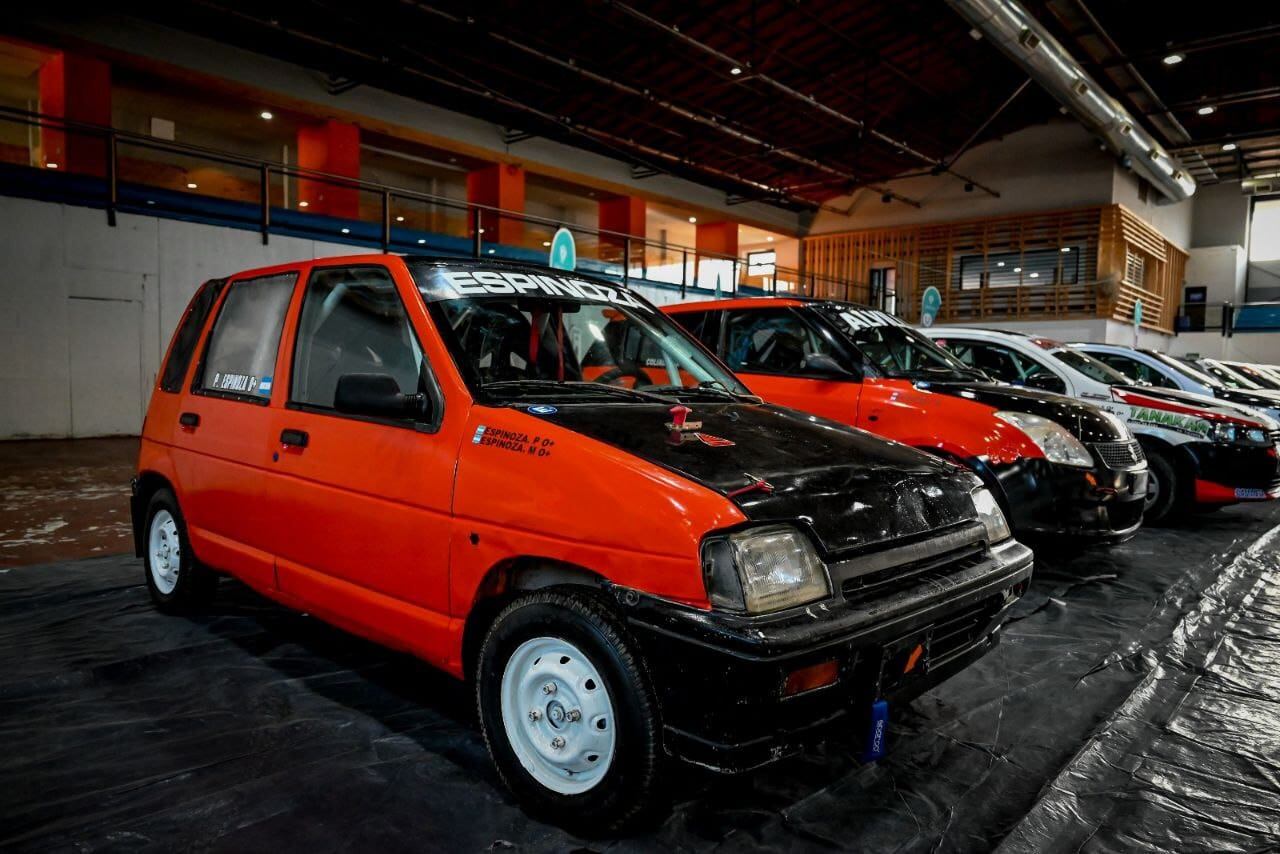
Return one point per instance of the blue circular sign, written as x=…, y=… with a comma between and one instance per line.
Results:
x=930, y=305
x=543, y=409
x=564, y=254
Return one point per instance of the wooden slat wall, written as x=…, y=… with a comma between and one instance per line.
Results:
x=925, y=255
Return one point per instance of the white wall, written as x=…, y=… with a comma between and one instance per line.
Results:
x=1174, y=221
x=1261, y=347
x=1095, y=330
x=86, y=310
x=1220, y=269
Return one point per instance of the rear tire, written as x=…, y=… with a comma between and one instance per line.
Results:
x=1163, y=489
x=568, y=713
x=176, y=580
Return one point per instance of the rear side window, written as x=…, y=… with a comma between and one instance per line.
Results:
x=353, y=322
x=241, y=357
x=703, y=325
x=188, y=335
x=772, y=341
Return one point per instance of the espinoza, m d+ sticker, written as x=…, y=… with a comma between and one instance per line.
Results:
x=513, y=440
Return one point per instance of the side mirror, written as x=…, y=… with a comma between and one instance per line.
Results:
x=821, y=363
x=1046, y=382
x=377, y=395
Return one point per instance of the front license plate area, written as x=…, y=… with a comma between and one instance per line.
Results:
x=903, y=661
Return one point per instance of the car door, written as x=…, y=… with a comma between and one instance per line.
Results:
x=773, y=350
x=221, y=444
x=361, y=504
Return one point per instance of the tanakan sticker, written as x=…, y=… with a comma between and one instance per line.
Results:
x=1170, y=421
x=513, y=441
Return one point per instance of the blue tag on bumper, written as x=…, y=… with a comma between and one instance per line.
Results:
x=879, y=731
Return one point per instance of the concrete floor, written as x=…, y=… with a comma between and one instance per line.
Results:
x=65, y=499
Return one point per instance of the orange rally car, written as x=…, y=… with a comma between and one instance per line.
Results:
x=443, y=455
x=1057, y=466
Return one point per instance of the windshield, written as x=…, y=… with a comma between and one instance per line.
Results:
x=898, y=351
x=1258, y=376
x=1186, y=369
x=1092, y=368
x=517, y=335
x=1228, y=376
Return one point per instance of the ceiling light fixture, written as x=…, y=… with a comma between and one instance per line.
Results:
x=422, y=240
x=1017, y=269
x=1066, y=249
x=769, y=238
x=191, y=185
x=51, y=166
x=304, y=204
x=735, y=71
x=399, y=219
x=346, y=231
x=1173, y=59
x=1035, y=275
x=546, y=243
x=491, y=251
x=999, y=263
x=1229, y=146
x=266, y=115
x=1206, y=110
x=693, y=219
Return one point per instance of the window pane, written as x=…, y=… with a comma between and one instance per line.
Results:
x=242, y=347
x=188, y=334
x=776, y=341
x=353, y=322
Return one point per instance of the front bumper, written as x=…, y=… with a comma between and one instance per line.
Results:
x=1226, y=474
x=1047, y=498
x=720, y=678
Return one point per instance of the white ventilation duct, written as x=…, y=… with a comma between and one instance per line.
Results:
x=1012, y=29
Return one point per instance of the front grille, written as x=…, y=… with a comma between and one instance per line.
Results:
x=1119, y=455
x=871, y=584
x=958, y=633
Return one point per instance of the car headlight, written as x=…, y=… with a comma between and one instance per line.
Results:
x=763, y=569
x=990, y=515
x=1058, y=445
x=1240, y=434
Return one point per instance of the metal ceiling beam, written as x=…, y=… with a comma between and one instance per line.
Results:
x=901, y=146
x=1207, y=43
x=1013, y=30
x=714, y=123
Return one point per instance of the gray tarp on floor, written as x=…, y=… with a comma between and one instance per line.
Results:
x=1133, y=704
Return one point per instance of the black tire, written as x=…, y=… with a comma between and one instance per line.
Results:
x=1163, y=490
x=628, y=792
x=196, y=584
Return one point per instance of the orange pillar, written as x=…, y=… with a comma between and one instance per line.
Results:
x=498, y=185
x=333, y=148
x=718, y=238
x=78, y=89
x=624, y=215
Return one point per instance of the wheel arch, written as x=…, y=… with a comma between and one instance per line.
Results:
x=509, y=578
x=145, y=485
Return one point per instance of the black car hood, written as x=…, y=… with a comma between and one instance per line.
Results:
x=850, y=488
x=1087, y=423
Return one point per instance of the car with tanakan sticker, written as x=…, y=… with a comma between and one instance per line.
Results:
x=459, y=459
x=1058, y=466
x=1205, y=453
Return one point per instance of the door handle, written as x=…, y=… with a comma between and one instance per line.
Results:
x=189, y=419
x=296, y=438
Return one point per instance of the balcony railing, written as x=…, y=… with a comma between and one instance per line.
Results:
x=141, y=174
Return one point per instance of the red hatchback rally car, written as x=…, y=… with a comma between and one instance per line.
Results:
x=443, y=456
x=1057, y=466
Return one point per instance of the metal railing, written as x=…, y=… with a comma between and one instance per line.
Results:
x=156, y=176
x=1206, y=317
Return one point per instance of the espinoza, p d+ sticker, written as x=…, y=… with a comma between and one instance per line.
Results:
x=513, y=440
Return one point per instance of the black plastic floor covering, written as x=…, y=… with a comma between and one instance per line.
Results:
x=1134, y=704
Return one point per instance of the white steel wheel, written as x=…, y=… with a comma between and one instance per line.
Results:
x=558, y=715
x=164, y=551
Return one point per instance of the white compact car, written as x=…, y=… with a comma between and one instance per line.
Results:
x=1164, y=371
x=1203, y=453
